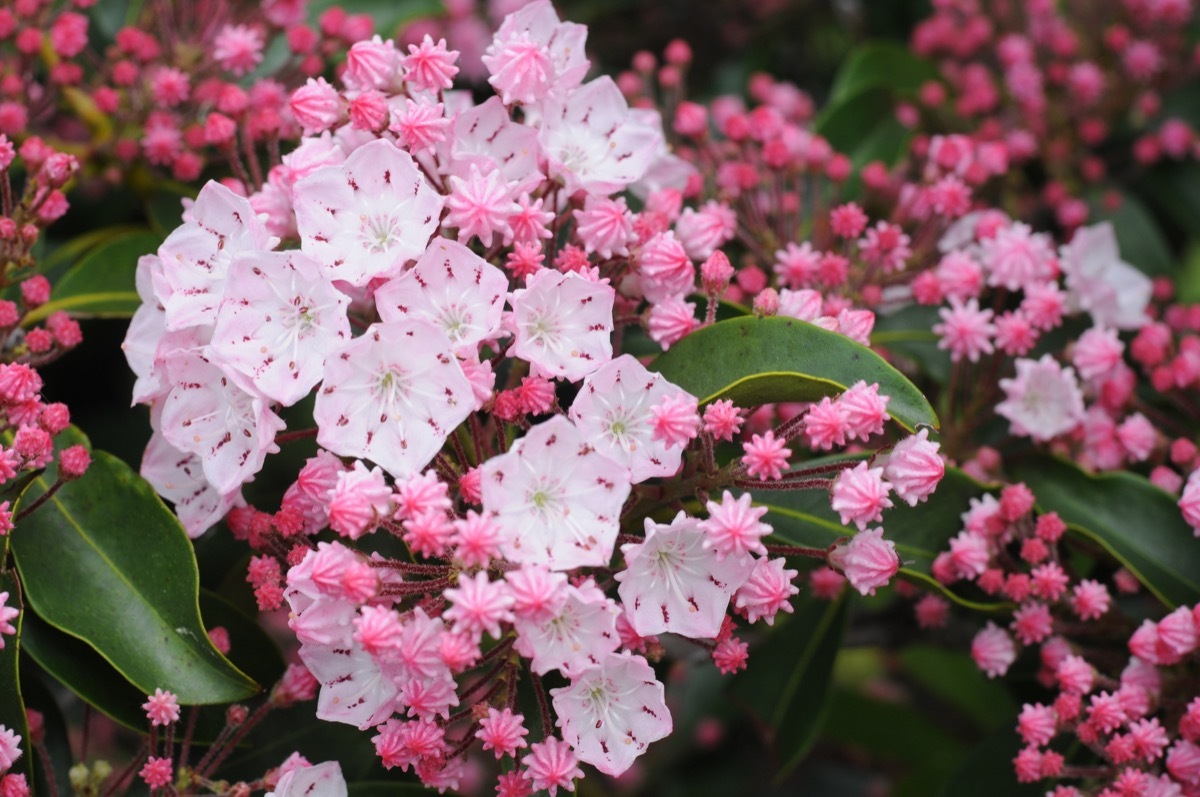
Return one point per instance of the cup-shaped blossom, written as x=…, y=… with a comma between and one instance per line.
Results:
x=179, y=477
x=215, y=414
x=320, y=780
x=355, y=689
x=578, y=632
x=593, y=143
x=1098, y=281
x=196, y=256
x=368, y=216
x=392, y=395
x=1043, y=400
x=611, y=712
x=534, y=54
x=452, y=287
x=614, y=411
x=868, y=561
x=674, y=582
x=486, y=136
x=278, y=320
x=556, y=498
x=563, y=324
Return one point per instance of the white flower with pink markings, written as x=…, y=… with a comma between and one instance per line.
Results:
x=368, y=216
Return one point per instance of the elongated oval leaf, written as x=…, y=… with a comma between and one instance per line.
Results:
x=12, y=706
x=101, y=284
x=881, y=64
x=105, y=561
x=85, y=672
x=920, y=533
x=764, y=360
x=1133, y=520
x=789, y=687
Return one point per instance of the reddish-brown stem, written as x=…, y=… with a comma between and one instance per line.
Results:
x=299, y=434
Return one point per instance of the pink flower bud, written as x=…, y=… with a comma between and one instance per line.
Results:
x=868, y=561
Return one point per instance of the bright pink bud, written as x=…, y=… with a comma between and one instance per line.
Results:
x=868, y=561
x=73, y=462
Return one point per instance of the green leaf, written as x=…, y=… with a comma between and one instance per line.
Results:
x=85, y=672
x=101, y=284
x=883, y=64
x=901, y=734
x=789, y=686
x=764, y=360
x=12, y=706
x=920, y=533
x=1129, y=517
x=848, y=125
x=987, y=771
x=82, y=670
x=105, y=561
x=953, y=676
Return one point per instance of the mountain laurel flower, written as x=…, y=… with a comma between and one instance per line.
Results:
x=619, y=409
x=502, y=731
x=993, y=650
x=734, y=527
x=556, y=498
x=611, y=712
x=162, y=708
x=563, y=324
x=674, y=583
x=368, y=216
x=859, y=495
x=1043, y=400
x=765, y=456
x=914, y=467
x=868, y=561
x=768, y=590
x=392, y=395
x=551, y=764
x=359, y=500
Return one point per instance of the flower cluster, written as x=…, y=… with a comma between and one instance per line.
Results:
x=462, y=277
x=1059, y=86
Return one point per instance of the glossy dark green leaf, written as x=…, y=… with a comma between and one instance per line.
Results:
x=12, y=706
x=882, y=64
x=848, y=125
x=987, y=770
x=788, y=689
x=763, y=360
x=954, y=677
x=918, y=748
x=101, y=284
x=1133, y=520
x=920, y=533
x=105, y=561
x=82, y=670
x=85, y=672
